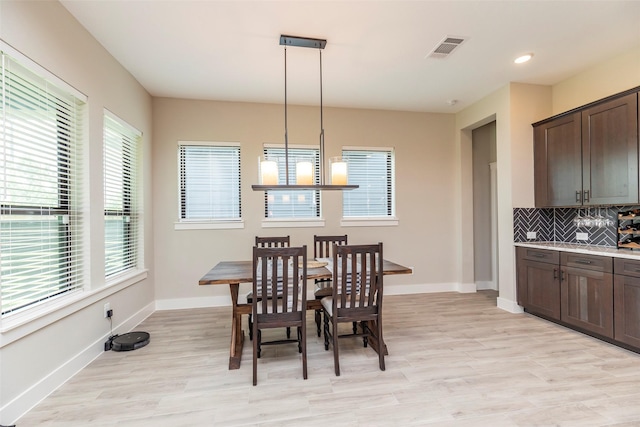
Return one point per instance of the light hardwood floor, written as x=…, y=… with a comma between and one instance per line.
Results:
x=454, y=360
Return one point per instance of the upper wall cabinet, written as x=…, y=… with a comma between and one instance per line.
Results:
x=588, y=156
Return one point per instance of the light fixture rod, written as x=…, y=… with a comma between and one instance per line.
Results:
x=321, y=127
x=286, y=126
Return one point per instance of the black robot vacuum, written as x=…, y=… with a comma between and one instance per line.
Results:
x=127, y=342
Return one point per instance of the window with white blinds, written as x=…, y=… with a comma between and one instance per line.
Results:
x=294, y=203
x=373, y=171
x=209, y=181
x=41, y=217
x=121, y=196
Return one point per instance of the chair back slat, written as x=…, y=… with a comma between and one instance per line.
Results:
x=323, y=245
x=273, y=242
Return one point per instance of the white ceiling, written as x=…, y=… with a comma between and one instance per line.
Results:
x=376, y=50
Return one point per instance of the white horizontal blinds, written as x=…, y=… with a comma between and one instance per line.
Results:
x=209, y=182
x=41, y=241
x=121, y=194
x=293, y=203
x=372, y=170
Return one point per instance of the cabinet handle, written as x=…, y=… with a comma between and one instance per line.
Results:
x=582, y=261
x=562, y=276
x=555, y=273
x=538, y=255
x=586, y=196
x=578, y=196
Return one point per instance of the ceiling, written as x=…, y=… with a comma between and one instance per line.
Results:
x=376, y=53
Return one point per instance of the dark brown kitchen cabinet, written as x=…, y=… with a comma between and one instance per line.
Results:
x=538, y=282
x=588, y=156
x=610, y=152
x=626, y=300
x=558, y=161
x=586, y=285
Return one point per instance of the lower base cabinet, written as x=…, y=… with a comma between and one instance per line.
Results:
x=598, y=295
x=626, y=300
x=586, y=297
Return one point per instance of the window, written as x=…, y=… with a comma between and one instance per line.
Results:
x=121, y=207
x=209, y=181
x=294, y=203
x=41, y=222
x=373, y=171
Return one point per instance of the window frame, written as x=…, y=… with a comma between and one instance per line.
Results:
x=207, y=223
x=389, y=219
x=131, y=201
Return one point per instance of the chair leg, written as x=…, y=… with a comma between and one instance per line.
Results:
x=250, y=326
x=326, y=331
x=336, y=360
x=303, y=340
x=380, y=345
x=318, y=320
x=299, y=340
x=259, y=341
x=288, y=332
x=255, y=361
x=365, y=330
x=355, y=328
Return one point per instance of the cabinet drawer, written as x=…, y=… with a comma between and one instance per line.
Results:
x=587, y=262
x=540, y=255
x=626, y=267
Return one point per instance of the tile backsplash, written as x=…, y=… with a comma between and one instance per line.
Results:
x=556, y=225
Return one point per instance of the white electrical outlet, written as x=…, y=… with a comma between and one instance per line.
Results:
x=531, y=234
x=582, y=236
x=107, y=307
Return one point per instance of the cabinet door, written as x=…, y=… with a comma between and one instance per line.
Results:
x=610, y=152
x=539, y=288
x=626, y=293
x=558, y=164
x=587, y=300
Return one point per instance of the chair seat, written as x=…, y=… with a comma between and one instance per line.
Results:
x=327, y=304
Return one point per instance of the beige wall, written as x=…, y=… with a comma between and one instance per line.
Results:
x=424, y=188
x=39, y=355
x=606, y=78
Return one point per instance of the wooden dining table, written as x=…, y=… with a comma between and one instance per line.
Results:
x=233, y=273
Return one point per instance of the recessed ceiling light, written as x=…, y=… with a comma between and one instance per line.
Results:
x=523, y=58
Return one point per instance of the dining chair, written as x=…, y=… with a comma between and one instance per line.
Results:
x=356, y=297
x=322, y=246
x=287, y=307
x=267, y=242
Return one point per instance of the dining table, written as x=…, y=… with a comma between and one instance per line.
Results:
x=233, y=273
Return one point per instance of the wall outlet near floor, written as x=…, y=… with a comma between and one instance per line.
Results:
x=531, y=234
x=582, y=236
x=107, y=307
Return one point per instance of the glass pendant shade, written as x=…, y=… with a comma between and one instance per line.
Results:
x=268, y=172
x=304, y=173
x=338, y=171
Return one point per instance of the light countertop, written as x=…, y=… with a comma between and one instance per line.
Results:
x=582, y=249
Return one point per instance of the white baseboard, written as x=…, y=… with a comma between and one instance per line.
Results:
x=510, y=306
x=35, y=394
x=483, y=285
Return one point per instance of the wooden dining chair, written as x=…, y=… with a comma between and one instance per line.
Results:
x=356, y=297
x=267, y=242
x=287, y=307
x=322, y=248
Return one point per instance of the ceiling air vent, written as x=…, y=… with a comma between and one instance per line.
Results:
x=446, y=47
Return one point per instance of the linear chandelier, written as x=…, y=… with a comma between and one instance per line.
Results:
x=269, y=172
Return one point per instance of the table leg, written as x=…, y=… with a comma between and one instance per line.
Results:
x=237, y=336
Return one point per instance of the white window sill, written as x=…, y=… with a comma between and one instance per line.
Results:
x=369, y=222
x=208, y=225
x=292, y=223
x=16, y=326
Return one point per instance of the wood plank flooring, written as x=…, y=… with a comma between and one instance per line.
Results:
x=454, y=360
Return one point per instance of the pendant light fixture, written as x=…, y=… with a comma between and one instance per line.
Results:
x=304, y=169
